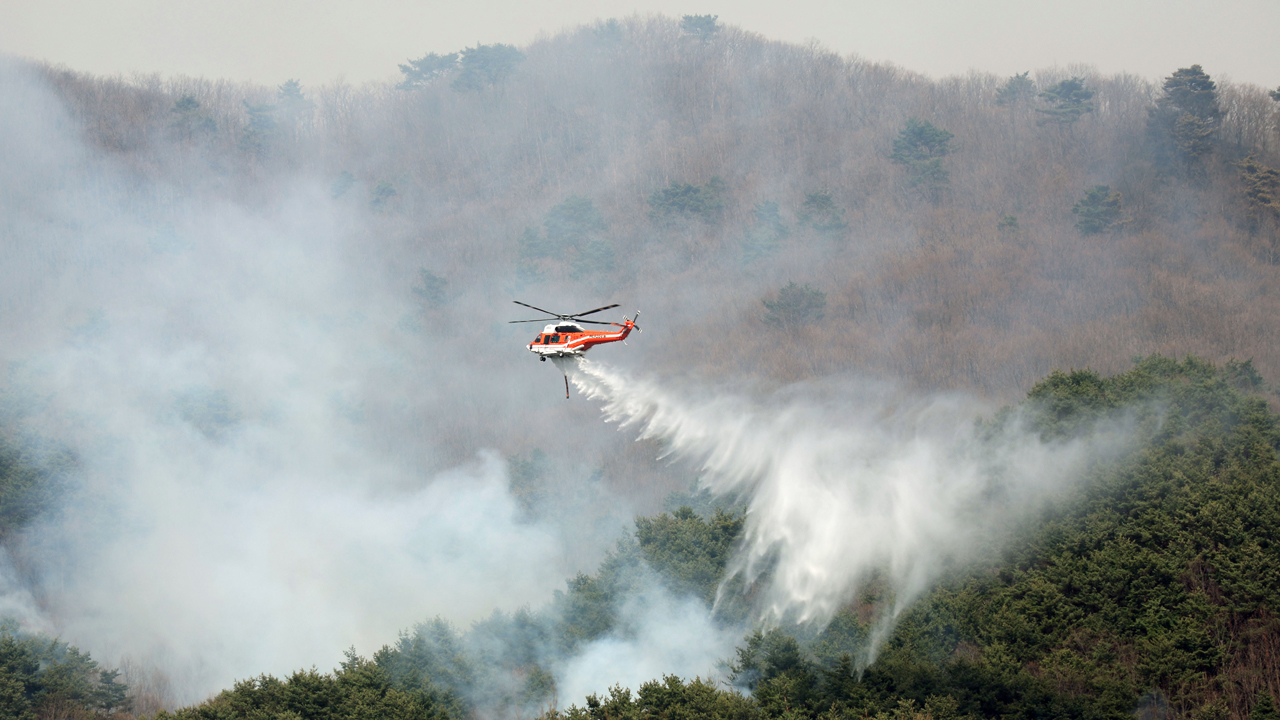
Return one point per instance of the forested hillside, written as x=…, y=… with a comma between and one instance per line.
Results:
x=259, y=389
x=1152, y=593
x=966, y=232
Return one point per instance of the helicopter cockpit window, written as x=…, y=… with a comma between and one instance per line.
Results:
x=555, y=338
x=546, y=339
x=537, y=340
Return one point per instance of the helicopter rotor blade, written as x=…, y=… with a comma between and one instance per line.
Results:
x=534, y=320
x=541, y=310
x=589, y=312
x=593, y=322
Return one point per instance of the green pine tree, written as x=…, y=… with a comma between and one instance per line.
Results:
x=111, y=695
x=795, y=306
x=259, y=134
x=1186, y=116
x=1017, y=90
x=1068, y=101
x=486, y=66
x=1264, y=708
x=819, y=212
x=700, y=26
x=1261, y=187
x=418, y=73
x=293, y=109
x=1190, y=90
x=681, y=203
x=188, y=121
x=921, y=146
x=764, y=238
x=1099, y=210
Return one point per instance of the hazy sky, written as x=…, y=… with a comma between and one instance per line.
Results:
x=269, y=41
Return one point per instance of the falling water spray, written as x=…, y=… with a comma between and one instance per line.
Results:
x=846, y=484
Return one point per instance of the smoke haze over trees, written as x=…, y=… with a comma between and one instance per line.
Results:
x=257, y=379
x=675, y=138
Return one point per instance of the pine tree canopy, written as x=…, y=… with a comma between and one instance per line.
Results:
x=1191, y=91
x=1068, y=101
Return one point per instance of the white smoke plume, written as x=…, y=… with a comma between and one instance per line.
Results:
x=658, y=635
x=845, y=484
x=271, y=448
x=272, y=441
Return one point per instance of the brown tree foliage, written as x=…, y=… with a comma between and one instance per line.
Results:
x=940, y=295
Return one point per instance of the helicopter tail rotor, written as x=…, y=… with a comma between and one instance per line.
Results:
x=629, y=322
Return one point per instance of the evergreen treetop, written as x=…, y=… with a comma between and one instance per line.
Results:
x=1261, y=186
x=426, y=68
x=1098, y=211
x=795, y=306
x=1068, y=101
x=921, y=146
x=1189, y=90
x=682, y=202
x=700, y=26
x=486, y=66
x=1017, y=90
x=920, y=140
x=1184, y=120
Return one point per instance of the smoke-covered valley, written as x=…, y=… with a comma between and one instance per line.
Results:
x=265, y=402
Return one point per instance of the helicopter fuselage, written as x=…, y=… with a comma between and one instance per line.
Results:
x=570, y=339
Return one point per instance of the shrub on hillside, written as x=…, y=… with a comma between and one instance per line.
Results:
x=795, y=306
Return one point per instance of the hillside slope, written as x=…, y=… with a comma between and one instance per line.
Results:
x=1152, y=590
x=695, y=175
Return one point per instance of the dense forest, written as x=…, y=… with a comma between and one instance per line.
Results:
x=974, y=231
x=1151, y=593
x=1090, y=251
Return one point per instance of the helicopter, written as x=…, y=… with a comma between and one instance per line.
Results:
x=565, y=337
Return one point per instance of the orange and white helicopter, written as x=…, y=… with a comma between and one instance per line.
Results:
x=565, y=337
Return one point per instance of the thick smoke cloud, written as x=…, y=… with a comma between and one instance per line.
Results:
x=845, y=484
x=255, y=571
x=659, y=635
x=279, y=456
x=255, y=410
